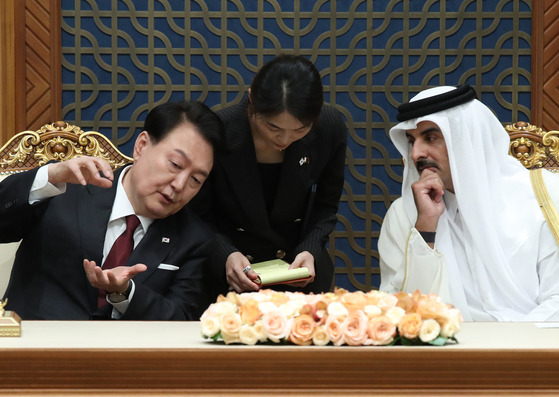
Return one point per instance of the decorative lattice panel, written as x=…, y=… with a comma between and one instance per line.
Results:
x=120, y=58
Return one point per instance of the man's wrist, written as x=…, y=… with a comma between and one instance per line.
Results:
x=127, y=290
x=426, y=223
x=117, y=297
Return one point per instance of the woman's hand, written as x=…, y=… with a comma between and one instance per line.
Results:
x=237, y=278
x=304, y=259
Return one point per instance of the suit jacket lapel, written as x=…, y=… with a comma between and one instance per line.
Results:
x=161, y=236
x=296, y=176
x=95, y=205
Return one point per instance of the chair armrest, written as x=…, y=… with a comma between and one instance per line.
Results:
x=7, y=256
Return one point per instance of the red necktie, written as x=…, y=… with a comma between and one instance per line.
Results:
x=120, y=252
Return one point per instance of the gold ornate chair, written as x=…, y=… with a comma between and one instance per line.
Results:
x=58, y=141
x=534, y=147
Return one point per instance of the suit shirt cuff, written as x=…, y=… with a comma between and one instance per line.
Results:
x=42, y=189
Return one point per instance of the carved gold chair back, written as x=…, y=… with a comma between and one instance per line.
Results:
x=58, y=141
x=534, y=147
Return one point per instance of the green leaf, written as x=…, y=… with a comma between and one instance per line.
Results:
x=394, y=342
x=216, y=337
x=452, y=338
x=438, y=341
x=411, y=342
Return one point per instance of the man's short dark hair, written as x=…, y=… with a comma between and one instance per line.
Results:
x=165, y=117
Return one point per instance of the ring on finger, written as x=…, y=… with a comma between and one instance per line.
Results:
x=247, y=269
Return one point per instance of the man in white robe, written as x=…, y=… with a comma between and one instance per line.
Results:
x=468, y=226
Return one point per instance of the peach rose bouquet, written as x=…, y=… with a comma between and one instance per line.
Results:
x=335, y=318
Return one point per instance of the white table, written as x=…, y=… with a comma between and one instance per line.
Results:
x=171, y=358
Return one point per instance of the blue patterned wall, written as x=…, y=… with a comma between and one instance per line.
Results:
x=121, y=58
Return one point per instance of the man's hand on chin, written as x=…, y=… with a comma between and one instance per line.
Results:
x=428, y=192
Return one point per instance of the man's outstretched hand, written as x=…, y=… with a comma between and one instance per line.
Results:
x=111, y=280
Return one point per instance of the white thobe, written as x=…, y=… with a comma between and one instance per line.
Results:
x=408, y=264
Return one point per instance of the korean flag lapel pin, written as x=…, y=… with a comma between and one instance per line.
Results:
x=166, y=240
x=304, y=160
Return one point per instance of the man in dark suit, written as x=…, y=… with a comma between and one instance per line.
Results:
x=70, y=213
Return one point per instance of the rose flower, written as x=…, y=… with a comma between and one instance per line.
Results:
x=250, y=312
x=406, y=302
x=410, y=325
x=354, y=300
x=429, y=307
x=429, y=330
x=320, y=337
x=230, y=325
x=333, y=329
x=302, y=329
x=275, y=325
x=209, y=326
x=248, y=335
x=354, y=328
x=381, y=330
x=452, y=324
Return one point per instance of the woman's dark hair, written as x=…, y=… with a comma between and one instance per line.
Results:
x=287, y=83
x=165, y=117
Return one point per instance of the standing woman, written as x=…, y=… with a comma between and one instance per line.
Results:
x=275, y=192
